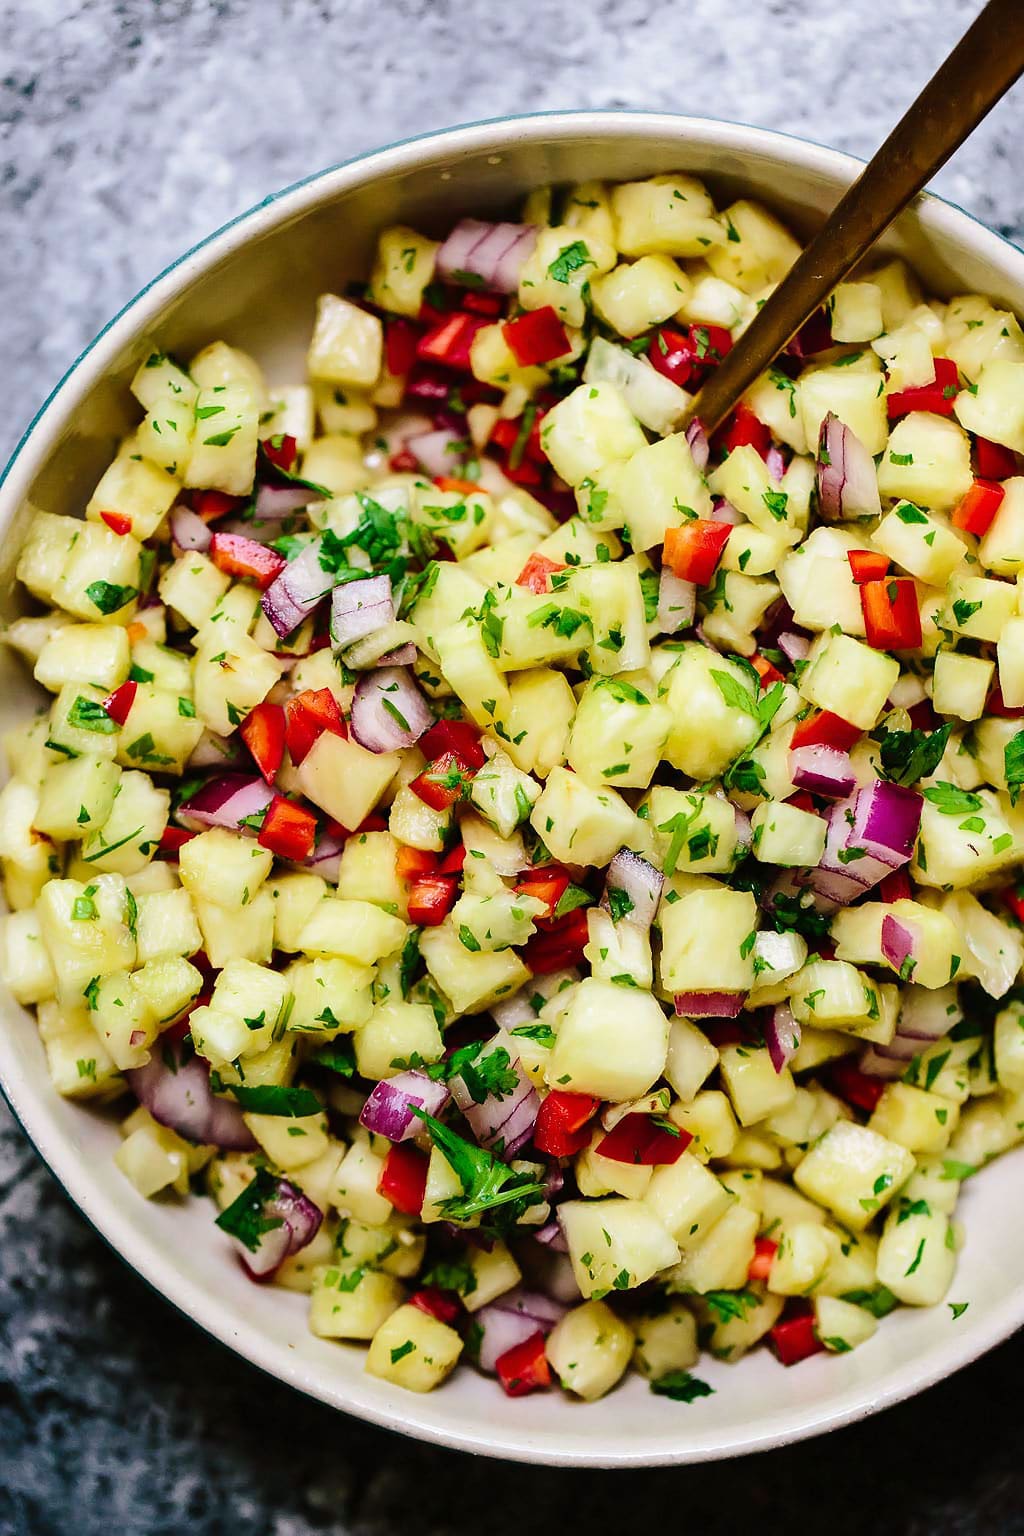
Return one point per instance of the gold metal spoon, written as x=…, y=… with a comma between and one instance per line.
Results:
x=981, y=68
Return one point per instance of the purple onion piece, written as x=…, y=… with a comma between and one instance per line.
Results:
x=638, y=881
x=793, y=646
x=552, y=1236
x=775, y=463
x=875, y=1065
x=360, y=608
x=176, y=1091
x=403, y=656
x=299, y=1222
x=297, y=590
x=782, y=1036
x=188, y=529
x=847, y=479
x=697, y=442
x=886, y=821
x=225, y=802
x=276, y=502
x=822, y=770
x=213, y=751
x=709, y=1005
x=494, y=253
x=725, y=512
x=897, y=945
x=389, y=1109
x=388, y=711
x=438, y=451
x=512, y=1319
x=677, y=602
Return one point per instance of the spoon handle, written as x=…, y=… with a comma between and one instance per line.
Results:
x=981, y=68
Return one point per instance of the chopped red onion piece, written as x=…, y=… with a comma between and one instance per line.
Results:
x=844, y=856
x=388, y=710
x=389, y=1109
x=886, y=821
x=438, y=451
x=500, y=1331
x=276, y=502
x=299, y=1222
x=897, y=945
x=900, y=1048
x=782, y=1036
x=725, y=512
x=847, y=480
x=176, y=1091
x=402, y=656
x=925, y=1012
x=213, y=751
x=297, y=590
x=225, y=802
x=325, y=860
x=360, y=608
x=640, y=882
x=505, y=1122
x=875, y=1065
x=677, y=602
x=552, y=1236
x=793, y=646
x=775, y=463
x=697, y=441
x=494, y=253
x=188, y=529
x=709, y=1005
x=822, y=770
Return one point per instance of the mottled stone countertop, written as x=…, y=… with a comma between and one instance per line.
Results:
x=130, y=128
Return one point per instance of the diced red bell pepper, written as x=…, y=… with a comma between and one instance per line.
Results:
x=442, y=782
x=892, y=618
x=939, y=396
x=536, y=572
x=744, y=430
x=826, y=730
x=173, y=838
x=995, y=704
x=213, y=504
x=866, y=565
x=562, y=945
x=431, y=899
x=923, y=716
x=263, y=731
x=538, y=337
x=371, y=823
x=815, y=335
x=994, y=461
x=449, y=342
x=307, y=716
x=802, y=801
x=400, y=341
x=761, y=1264
x=411, y=863
x=444, y=1305
x=282, y=450
x=1013, y=897
x=562, y=1129
x=547, y=882
x=118, y=522
x=794, y=1339
x=403, y=462
x=694, y=550
x=645, y=1141
x=489, y=304
x=854, y=1086
x=287, y=829
x=766, y=671
x=118, y=704
x=895, y=887
x=524, y=1368
x=976, y=509
x=453, y=483
x=459, y=736
x=403, y=1178
x=236, y=555
x=454, y=861
x=680, y=353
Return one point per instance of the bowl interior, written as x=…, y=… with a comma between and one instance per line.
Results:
x=255, y=285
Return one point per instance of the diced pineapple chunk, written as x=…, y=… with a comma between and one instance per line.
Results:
x=402, y=270
x=612, y=1041
x=347, y=345
x=850, y=680
x=688, y=962
x=840, y=1325
x=669, y=214
x=665, y=1341
x=352, y=1303
x=639, y=294
x=687, y=1199
x=414, y=1350
x=917, y=1255
x=588, y=430
x=752, y=1083
x=589, y=1350
x=854, y=1172
x=614, y=1244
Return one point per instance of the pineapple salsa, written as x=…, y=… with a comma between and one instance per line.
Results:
x=547, y=876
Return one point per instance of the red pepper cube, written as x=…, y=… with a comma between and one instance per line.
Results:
x=744, y=430
x=431, y=899
x=767, y=673
x=826, y=730
x=454, y=861
x=263, y=731
x=412, y=863
x=289, y=830
x=896, y=887
x=236, y=555
x=403, y=1178
x=1013, y=898
x=444, y=1305
x=892, y=618
x=995, y=704
x=854, y=1086
x=118, y=704
x=442, y=782
x=679, y=352
x=458, y=736
x=794, y=1339
x=524, y=1368
x=760, y=1265
x=173, y=838
x=536, y=572
x=449, y=342
x=213, y=504
x=938, y=397
x=561, y=946
x=561, y=1129
x=815, y=335
x=307, y=716
x=282, y=450
x=118, y=522
x=548, y=883
x=535, y=338
x=694, y=550
x=994, y=461
x=400, y=341
x=644, y=1140
x=866, y=565
x=975, y=510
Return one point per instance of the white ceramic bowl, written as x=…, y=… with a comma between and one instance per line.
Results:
x=254, y=283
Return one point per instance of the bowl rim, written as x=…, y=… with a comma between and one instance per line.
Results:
x=215, y=1318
